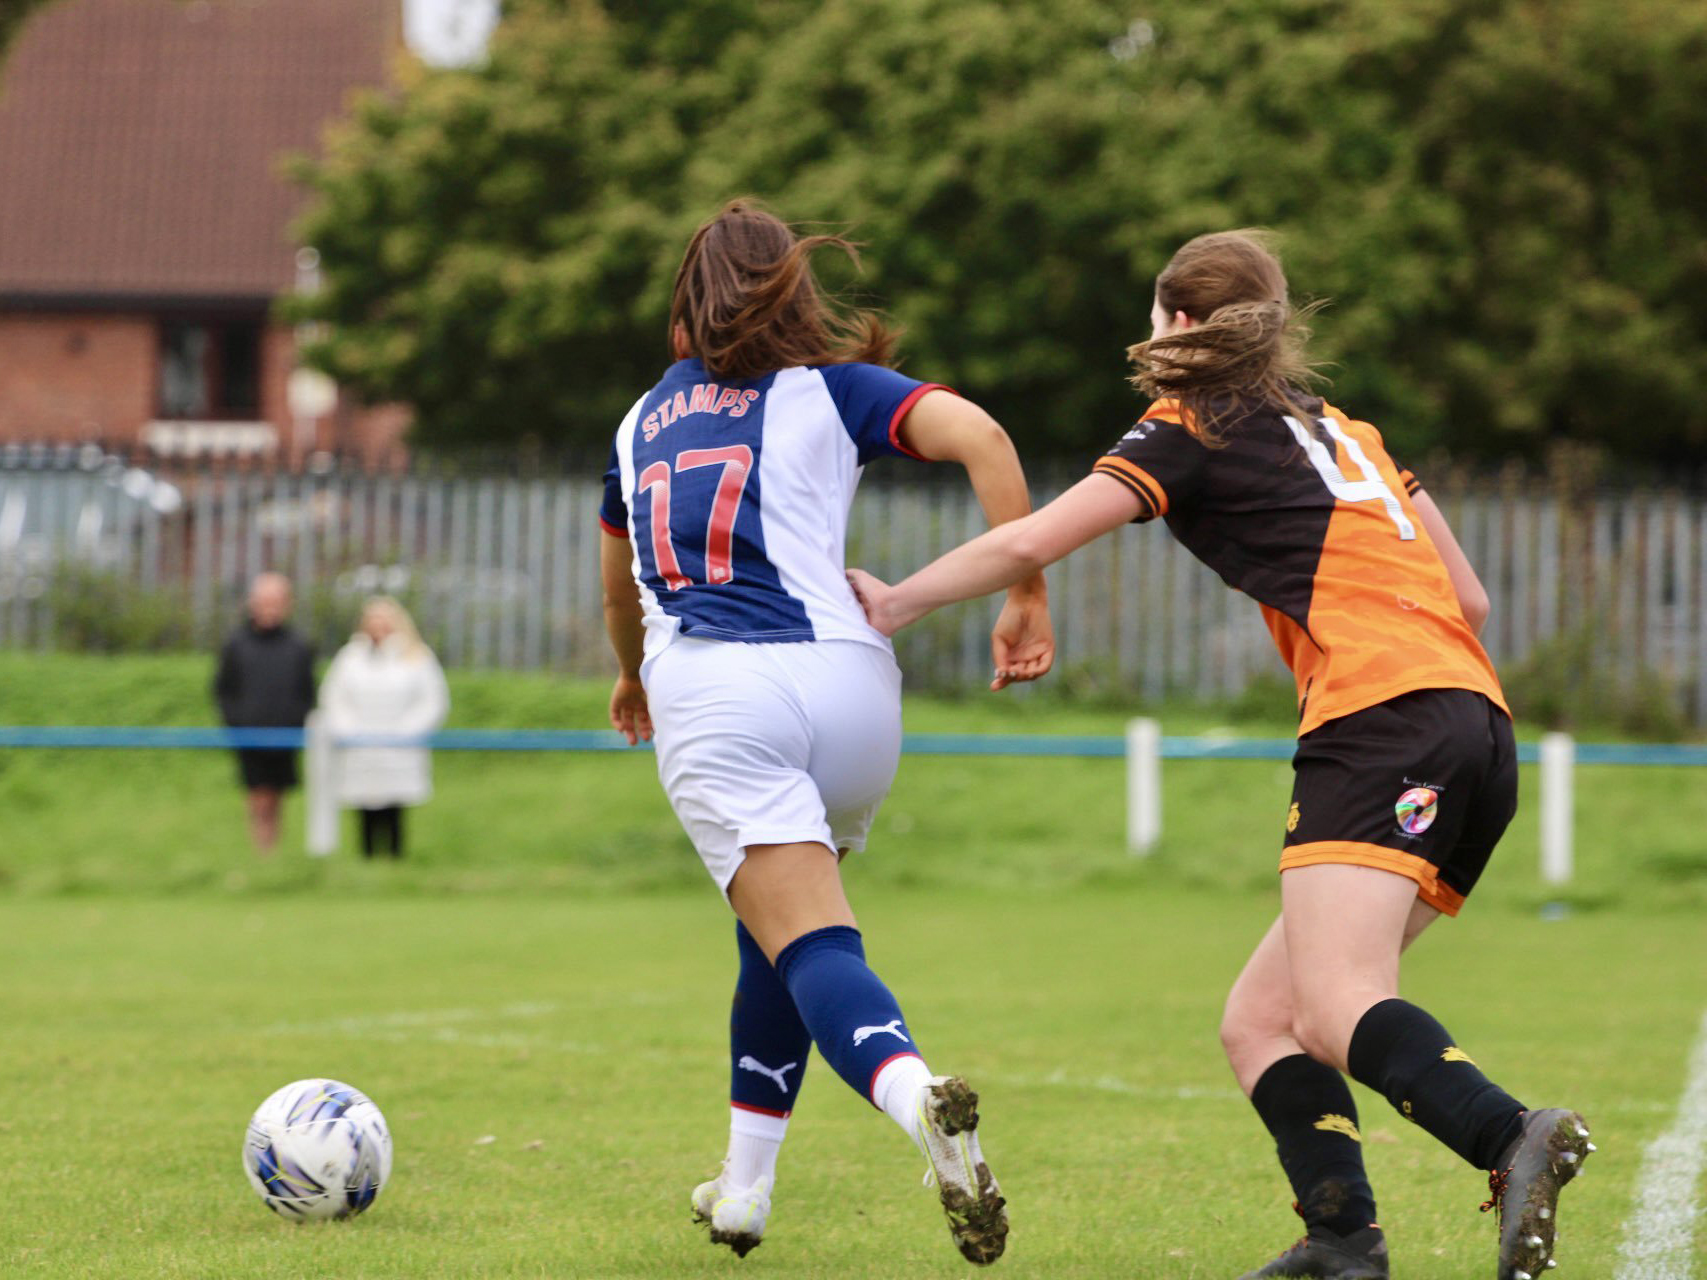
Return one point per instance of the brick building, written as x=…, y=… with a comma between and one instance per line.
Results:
x=143, y=222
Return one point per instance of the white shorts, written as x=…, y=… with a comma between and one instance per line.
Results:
x=774, y=743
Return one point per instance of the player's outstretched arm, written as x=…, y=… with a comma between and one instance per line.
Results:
x=1001, y=557
x=624, y=625
x=1472, y=596
x=945, y=428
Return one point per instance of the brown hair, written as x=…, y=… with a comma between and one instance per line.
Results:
x=1246, y=349
x=748, y=302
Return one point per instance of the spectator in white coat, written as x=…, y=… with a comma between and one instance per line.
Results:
x=384, y=682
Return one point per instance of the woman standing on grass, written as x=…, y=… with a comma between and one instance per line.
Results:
x=1406, y=772
x=385, y=683
x=777, y=708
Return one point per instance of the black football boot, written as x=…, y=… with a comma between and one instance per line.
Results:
x=1525, y=1188
x=1322, y=1255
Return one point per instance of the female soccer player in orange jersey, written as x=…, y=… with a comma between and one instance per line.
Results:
x=1405, y=774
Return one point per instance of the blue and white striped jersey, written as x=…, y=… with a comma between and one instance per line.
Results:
x=736, y=496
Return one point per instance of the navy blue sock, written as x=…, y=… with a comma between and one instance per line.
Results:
x=768, y=1043
x=854, y=1021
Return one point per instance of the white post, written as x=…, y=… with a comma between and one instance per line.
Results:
x=1143, y=785
x=1558, y=758
x=320, y=798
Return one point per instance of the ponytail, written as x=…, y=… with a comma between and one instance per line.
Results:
x=748, y=302
x=1246, y=350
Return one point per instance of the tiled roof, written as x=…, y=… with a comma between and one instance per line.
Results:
x=140, y=139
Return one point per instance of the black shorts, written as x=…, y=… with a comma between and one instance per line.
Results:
x=1424, y=785
x=272, y=770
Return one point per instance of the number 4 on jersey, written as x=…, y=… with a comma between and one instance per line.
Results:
x=737, y=463
x=1372, y=488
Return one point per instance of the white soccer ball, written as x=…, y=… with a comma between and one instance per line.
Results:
x=317, y=1149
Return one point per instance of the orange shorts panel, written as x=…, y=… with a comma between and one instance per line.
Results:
x=1441, y=897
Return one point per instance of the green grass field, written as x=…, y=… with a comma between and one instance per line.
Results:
x=550, y=970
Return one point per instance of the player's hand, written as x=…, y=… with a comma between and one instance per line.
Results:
x=629, y=715
x=877, y=598
x=1023, y=640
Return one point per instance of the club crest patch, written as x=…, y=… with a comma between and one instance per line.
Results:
x=1416, y=810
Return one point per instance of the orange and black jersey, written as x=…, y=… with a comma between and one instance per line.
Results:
x=1314, y=521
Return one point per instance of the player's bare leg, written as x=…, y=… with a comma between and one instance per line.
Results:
x=790, y=898
x=1259, y=1024
x=1310, y=1112
x=1345, y=928
x=783, y=887
x=784, y=891
x=264, y=804
x=1256, y=1024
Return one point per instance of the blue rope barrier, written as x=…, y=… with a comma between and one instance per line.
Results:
x=127, y=738
x=1228, y=748
x=1100, y=746
x=520, y=740
x=1010, y=744
x=1642, y=753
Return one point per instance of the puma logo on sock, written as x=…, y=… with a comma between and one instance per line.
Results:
x=750, y=1063
x=865, y=1033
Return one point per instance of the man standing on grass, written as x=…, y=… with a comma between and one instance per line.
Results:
x=266, y=681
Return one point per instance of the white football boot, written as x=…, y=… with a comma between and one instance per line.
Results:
x=948, y=1132
x=736, y=1218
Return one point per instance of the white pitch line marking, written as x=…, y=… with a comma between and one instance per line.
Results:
x=1658, y=1238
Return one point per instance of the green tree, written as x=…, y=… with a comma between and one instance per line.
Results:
x=1502, y=199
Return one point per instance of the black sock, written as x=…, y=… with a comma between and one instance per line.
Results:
x=1402, y=1052
x=1307, y=1106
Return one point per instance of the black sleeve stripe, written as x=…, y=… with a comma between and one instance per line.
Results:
x=1132, y=482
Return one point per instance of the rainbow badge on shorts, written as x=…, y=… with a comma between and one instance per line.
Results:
x=1416, y=810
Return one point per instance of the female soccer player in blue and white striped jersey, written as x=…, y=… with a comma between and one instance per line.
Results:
x=776, y=706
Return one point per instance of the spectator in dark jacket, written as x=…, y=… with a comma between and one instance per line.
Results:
x=266, y=681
